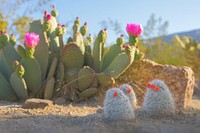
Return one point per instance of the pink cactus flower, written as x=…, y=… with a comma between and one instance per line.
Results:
x=31, y=40
x=58, y=26
x=134, y=30
x=48, y=17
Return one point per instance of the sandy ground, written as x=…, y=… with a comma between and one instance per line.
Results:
x=88, y=118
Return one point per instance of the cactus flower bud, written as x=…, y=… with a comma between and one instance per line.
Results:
x=138, y=55
x=103, y=35
x=20, y=70
x=134, y=31
x=77, y=21
x=63, y=29
x=15, y=65
x=89, y=39
x=48, y=17
x=120, y=40
x=12, y=39
x=84, y=29
x=59, y=30
x=76, y=25
x=31, y=40
x=54, y=12
x=4, y=38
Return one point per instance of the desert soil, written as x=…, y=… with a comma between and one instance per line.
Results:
x=87, y=117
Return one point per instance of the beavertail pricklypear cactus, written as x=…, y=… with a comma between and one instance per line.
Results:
x=88, y=60
x=6, y=91
x=33, y=74
x=117, y=106
x=71, y=56
x=8, y=54
x=50, y=64
x=41, y=53
x=121, y=62
x=98, y=50
x=158, y=100
x=112, y=52
x=129, y=92
x=17, y=81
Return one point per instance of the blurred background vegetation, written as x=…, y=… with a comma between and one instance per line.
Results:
x=179, y=51
x=17, y=22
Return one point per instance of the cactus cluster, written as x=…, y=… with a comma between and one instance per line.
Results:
x=129, y=92
x=117, y=106
x=158, y=100
x=40, y=71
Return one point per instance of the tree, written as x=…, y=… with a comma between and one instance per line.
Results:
x=155, y=27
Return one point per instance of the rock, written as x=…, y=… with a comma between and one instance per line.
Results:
x=60, y=101
x=36, y=103
x=180, y=80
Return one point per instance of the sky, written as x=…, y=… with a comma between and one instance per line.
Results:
x=182, y=15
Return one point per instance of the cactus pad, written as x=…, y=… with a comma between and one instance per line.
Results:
x=110, y=55
x=88, y=93
x=42, y=49
x=19, y=86
x=71, y=56
x=6, y=91
x=32, y=75
x=104, y=80
x=118, y=65
x=71, y=77
x=85, y=78
x=49, y=89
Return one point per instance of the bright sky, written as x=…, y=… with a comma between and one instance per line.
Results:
x=182, y=15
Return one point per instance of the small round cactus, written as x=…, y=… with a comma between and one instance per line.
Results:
x=158, y=100
x=117, y=106
x=129, y=92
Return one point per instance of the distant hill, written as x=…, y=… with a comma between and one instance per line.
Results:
x=195, y=34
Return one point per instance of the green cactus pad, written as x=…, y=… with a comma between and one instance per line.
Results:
x=61, y=71
x=78, y=39
x=85, y=78
x=104, y=80
x=97, y=56
x=54, y=39
x=32, y=75
x=9, y=55
x=52, y=68
x=72, y=57
x=71, y=77
x=88, y=93
x=49, y=89
x=21, y=51
x=118, y=65
x=19, y=86
x=6, y=91
x=4, y=68
x=42, y=49
x=88, y=56
x=60, y=76
x=110, y=55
